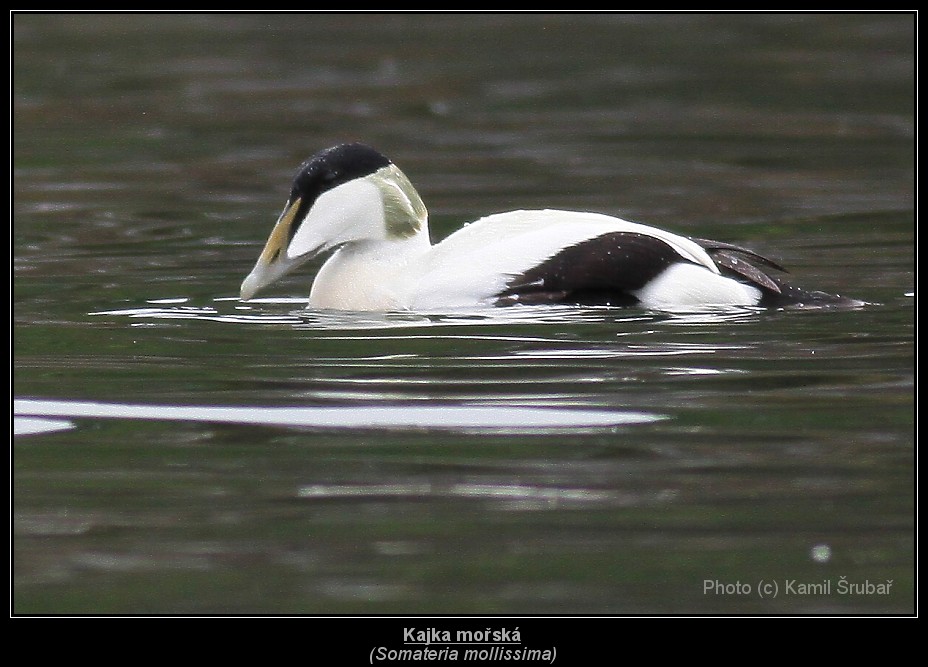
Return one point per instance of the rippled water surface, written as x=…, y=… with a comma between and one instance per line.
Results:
x=176, y=450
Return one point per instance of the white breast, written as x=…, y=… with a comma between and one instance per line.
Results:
x=370, y=275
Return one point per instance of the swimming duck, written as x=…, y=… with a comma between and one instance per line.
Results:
x=352, y=200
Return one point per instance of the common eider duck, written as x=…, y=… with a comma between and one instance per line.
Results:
x=353, y=201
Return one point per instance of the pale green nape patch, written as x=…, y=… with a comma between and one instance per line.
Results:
x=404, y=212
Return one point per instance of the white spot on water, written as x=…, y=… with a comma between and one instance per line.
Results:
x=821, y=553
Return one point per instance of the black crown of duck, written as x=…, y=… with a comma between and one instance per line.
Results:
x=351, y=200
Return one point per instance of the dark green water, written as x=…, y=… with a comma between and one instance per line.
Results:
x=424, y=473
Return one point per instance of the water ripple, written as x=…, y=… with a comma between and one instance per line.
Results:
x=293, y=311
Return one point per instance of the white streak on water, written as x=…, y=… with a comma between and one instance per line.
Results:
x=34, y=425
x=417, y=417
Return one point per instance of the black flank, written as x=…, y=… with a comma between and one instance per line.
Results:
x=602, y=271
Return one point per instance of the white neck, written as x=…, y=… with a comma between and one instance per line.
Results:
x=369, y=275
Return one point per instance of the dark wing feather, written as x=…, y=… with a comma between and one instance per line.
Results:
x=726, y=255
x=729, y=261
x=713, y=247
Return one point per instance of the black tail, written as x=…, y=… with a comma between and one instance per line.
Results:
x=775, y=292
